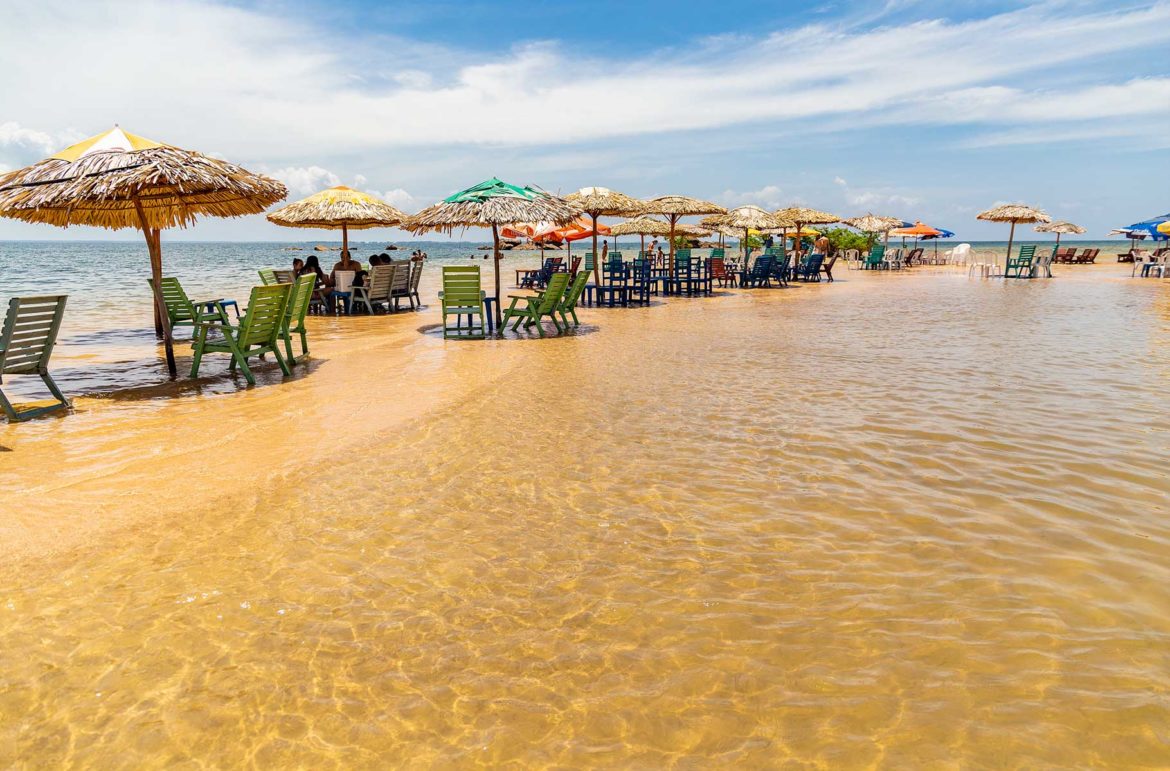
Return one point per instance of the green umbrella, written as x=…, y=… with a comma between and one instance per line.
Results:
x=493, y=203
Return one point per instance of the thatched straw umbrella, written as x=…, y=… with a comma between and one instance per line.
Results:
x=873, y=224
x=596, y=201
x=676, y=206
x=338, y=207
x=1058, y=228
x=801, y=216
x=118, y=180
x=747, y=218
x=1013, y=213
x=493, y=203
x=642, y=226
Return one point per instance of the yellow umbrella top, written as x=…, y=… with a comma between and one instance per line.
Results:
x=337, y=207
x=114, y=139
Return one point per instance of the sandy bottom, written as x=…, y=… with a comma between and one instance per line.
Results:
x=913, y=519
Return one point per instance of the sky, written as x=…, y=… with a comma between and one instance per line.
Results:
x=915, y=109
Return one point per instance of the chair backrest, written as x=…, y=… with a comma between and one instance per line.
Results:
x=718, y=253
x=380, y=280
x=267, y=276
x=961, y=251
x=1028, y=252
x=553, y=293
x=575, y=291
x=763, y=265
x=179, y=307
x=877, y=253
x=283, y=276
x=914, y=254
x=400, y=283
x=682, y=253
x=718, y=268
x=589, y=261
x=30, y=331
x=813, y=265
x=343, y=280
x=461, y=285
x=829, y=264
x=298, y=303
x=415, y=275
x=266, y=308
x=574, y=265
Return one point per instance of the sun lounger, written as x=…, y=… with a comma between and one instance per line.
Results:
x=530, y=309
x=1020, y=266
x=258, y=332
x=462, y=296
x=294, y=317
x=1088, y=256
x=1064, y=254
x=182, y=311
x=568, y=304
x=26, y=343
x=914, y=257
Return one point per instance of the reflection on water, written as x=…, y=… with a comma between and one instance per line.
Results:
x=911, y=520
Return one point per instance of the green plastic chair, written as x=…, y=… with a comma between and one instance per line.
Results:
x=462, y=295
x=1021, y=265
x=876, y=258
x=183, y=312
x=536, y=307
x=258, y=333
x=267, y=276
x=568, y=306
x=26, y=343
x=294, y=318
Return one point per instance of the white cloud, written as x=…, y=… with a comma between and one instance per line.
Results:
x=884, y=199
x=767, y=197
x=400, y=199
x=305, y=180
x=276, y=85
x=359, y=181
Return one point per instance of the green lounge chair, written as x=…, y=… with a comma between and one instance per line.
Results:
x=182, y=311
x=876, y=259
x=537, y=306
x=26, y=343
x=258, y=333
x=462, y=296
x=294, y=317
x=1021, y=265
x=568, y=306
x=267, y=276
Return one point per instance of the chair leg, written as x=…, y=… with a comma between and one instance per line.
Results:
x=284, y=365
x=200, y=340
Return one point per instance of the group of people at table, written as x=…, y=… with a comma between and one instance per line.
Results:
x=346, y=273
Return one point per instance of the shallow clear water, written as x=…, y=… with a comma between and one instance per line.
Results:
x=911, y=520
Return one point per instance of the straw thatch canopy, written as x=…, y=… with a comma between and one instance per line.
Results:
x=1062, y=227
x=601, y=201
x=338, y=207
x=596, y=201
x=872, y=223
x=105, y=179
x=692, y=231
x=642, y=226
x=1016, y=212
x=680, y=206
x=747, y=218
x=801, y=215
x=120, y=180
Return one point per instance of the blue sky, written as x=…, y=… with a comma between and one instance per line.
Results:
x=922, y=110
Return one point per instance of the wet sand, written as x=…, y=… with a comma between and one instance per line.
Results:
x=907, y=519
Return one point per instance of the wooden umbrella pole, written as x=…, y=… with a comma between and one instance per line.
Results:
x=596, y=257
x=153, y=238
x=1011, y=237
x=496, y=249
x=673, y=220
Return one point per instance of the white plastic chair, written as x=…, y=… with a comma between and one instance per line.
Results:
x=959, y=255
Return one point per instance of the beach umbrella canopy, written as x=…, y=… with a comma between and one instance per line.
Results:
x=120, y=180
x=802, y=215
x=675, y=206
x=1014, y=213
x=873, y=223
x=598, y=201
x=747, y=219
x=493, y=204
x=339, y=207
x=1151, y=227
x=917, y=230
x=1059, y=228
x=641, y=226
x=576, y=230
x=1164, y=228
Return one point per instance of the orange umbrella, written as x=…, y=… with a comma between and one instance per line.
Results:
x=918, y=231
